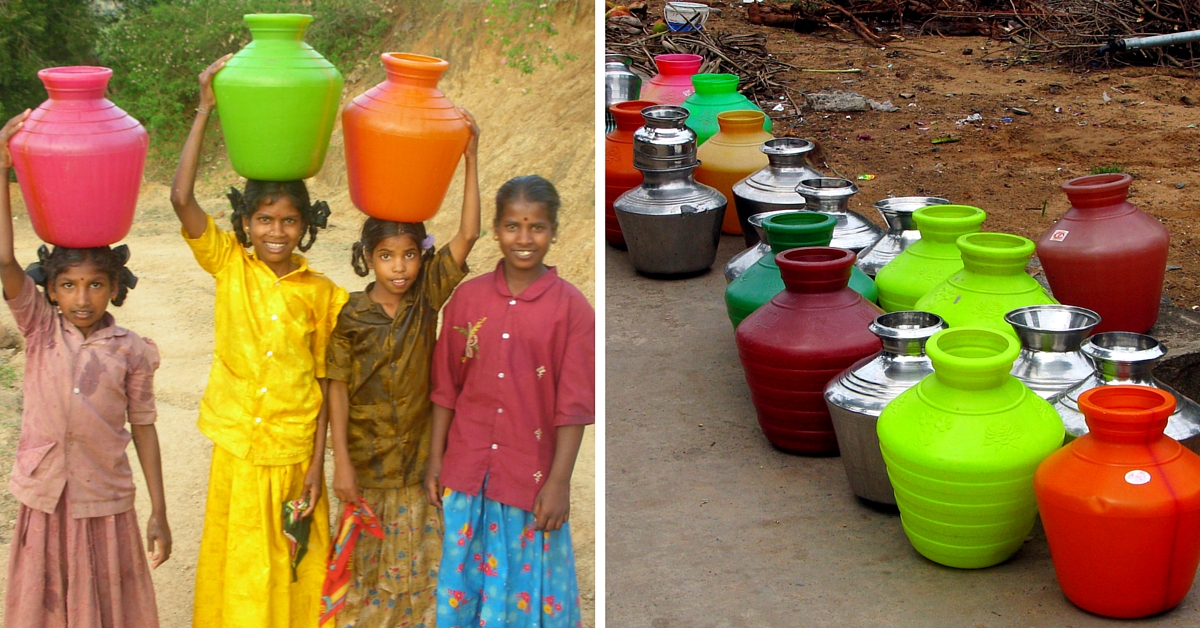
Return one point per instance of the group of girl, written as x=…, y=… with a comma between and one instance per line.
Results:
x=482, y=421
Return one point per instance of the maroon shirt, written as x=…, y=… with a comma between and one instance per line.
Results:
x=78, y=395
x=513, y=369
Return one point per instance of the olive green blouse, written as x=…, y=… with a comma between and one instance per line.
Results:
x=385, y=363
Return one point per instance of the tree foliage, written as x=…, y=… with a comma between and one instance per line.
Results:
x=37, y=34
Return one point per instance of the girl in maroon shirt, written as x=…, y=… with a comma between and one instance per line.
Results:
x=513, y=388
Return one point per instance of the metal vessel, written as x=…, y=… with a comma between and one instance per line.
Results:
x=620, y=85
x=745, y=259
x=1121, y=357
x=1050, y=335
x=774, y=187
x=671, y=223
x=902, y=231
x=857, y=396
x=831, y=195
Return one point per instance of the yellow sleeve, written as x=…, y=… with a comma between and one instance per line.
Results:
x=326, y=321
x=214, y=248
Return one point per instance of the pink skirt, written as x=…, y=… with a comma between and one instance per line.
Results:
x=81, y=573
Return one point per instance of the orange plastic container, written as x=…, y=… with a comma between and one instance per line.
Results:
x=403, y=141
x=1121, y=506
x=731, y=155
x=619, y=174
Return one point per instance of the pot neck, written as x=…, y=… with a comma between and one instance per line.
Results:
x=656, y=179
x=678, y=64
x=75, y=82
x=413, y=69
x=628, y=114
x=905, y=333
x=278, y=27
x=818, y=269
x=709, y=84
x=1123, y=356
x=995, y=253
x=830, y=195
x=798, y=229
x=787, y=153
x=972, y=358
x=741, y=123
x=1126, y=414
x=945, y=223
x=1100, y=195
x=1052, y=328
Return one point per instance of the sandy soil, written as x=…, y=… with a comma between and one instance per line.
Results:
x=173, y=301
x=731, y=532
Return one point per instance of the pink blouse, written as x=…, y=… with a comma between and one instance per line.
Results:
x=513, y=369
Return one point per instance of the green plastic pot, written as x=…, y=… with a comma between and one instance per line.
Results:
x=930, y=260
x=715, y=93
x=961, y=448
x=278, y=100
x=991, y=283
x=762, y=281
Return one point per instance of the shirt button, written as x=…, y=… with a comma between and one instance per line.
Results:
x=274, y=317
x=504, y=336
x=77, y=390
x=262, y=390
x=513, y=302
x=276, y=284
x=494, y=446
x=501, y=377
x=499, y=410
x=270, y=353
x=258, y=419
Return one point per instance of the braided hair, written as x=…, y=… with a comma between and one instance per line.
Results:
x=315, y=215
x=530, y=188
x=109, y=260
x=375, y=231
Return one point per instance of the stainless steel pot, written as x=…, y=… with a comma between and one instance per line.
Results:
x=857, y=396
x=773, y=188
x=671, y=223
x=1121, y=357
x=1050, y=335
x=620, y=85
x=831, y=195
x=745, y=259
x=902, y=230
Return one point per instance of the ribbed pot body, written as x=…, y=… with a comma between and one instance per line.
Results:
x=673, y=83
x=991, y=283
x=961, y=448
x=1107, y=255
x=930, y=260
x=1121, y=507
x=773, y=188
x=619, y=174
x=713, y=94
x=1050, y=335
x=403, y=140
x=902, y=230
x=857, y=397
x=79, y=160
x=731, y=155
x=794, y=345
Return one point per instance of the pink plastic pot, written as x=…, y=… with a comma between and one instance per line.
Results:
x=79, y=161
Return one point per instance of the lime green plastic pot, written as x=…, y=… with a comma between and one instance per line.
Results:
x=991, y=283
x=961, y=448
x=715, y=93
x=930, y=260
x=762, y=281
x=278, y=100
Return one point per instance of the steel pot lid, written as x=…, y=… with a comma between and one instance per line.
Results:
x=665, y=142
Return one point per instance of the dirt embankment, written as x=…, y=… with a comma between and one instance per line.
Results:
x=531, y=123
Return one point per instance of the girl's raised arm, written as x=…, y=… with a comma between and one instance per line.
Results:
x=183, y=196
x=468, y=227
x=11, y=275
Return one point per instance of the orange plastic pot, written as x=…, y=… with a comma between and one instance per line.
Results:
x=1121, y=506
x=619, y=174
x=731, y=155
x=403, y=141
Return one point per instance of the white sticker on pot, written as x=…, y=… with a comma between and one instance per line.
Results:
x=1059, y=235
x=1137, y=476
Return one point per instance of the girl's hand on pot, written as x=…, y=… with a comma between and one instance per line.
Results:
x=208, y=98
x=472, y=149
x=10, y=129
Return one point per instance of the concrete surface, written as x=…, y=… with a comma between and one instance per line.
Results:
x=708, y=525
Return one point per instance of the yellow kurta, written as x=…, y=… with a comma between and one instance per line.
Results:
x=260, y=410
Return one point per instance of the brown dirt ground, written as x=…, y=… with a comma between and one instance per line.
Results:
x=173, y=301
x=731, y=532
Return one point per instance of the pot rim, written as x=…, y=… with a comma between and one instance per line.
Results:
x=1126, y=406
x=1090, y=318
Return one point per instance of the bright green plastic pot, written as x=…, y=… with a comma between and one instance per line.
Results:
x=715, y=93
x=961, y=448
x=930, y=260
x=278, y=100
x=762, y=281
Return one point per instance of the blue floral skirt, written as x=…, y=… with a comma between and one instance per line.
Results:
x=498, y=571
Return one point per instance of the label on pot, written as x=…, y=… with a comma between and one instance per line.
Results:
x=1059, y=235
x=1137, y=476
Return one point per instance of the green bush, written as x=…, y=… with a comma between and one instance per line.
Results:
x=157, y=48
x=36, y=34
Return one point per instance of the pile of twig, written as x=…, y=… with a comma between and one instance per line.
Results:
x=874, y=20
x=742, y=54
x=1073, y=30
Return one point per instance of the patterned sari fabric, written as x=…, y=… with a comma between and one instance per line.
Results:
x=395, y=578
x=498, y=571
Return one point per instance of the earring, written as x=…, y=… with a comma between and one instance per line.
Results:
x=554, y=240
x=496, y=237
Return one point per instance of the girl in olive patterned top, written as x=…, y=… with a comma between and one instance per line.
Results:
x=379, y=408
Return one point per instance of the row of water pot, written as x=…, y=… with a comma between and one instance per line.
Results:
x=951, y=382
